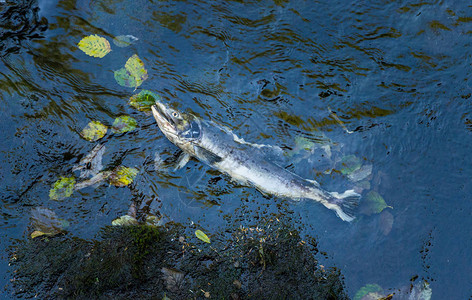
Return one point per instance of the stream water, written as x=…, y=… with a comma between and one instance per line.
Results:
x=386, y=82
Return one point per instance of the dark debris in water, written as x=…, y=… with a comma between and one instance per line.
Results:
x=143, y=262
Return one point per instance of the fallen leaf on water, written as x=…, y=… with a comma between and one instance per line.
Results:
x=123, y=124
x=36, y=233
x=372, y=203
x=202, y=236
x=385, y=222
x=45, y=222
x=133, y=74
x=93, y=131
x=62, y=188
x=124, y=40
x=361, y=173
x=122, y=176
x=124, y=221
x=123, y=78
x=154, y=221
x=94, y=45
x=350, y=164
x=144, y=100
x=367, y=289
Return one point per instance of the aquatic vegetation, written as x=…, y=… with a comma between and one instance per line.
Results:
x=95, y=46
x=202, y=236
x=62, y=188
x=94, y=131
x=124, y=124
x=133, y=74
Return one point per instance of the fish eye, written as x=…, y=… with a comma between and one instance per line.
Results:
x=175, y=114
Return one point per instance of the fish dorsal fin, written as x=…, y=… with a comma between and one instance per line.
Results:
x=207, y=156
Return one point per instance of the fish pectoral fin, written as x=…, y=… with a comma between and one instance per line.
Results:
x=208, y=156
x=314, y=182
x=182, y=161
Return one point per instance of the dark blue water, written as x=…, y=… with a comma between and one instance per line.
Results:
x=395, y=72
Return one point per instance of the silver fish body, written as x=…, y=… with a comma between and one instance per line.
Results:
x=245, y=162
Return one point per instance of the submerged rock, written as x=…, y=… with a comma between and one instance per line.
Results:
x=143, y=262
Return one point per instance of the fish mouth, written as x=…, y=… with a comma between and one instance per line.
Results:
x=164, y=121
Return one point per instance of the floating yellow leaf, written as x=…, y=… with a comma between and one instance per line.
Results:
x=124, y=124
x=133, y=73
x=122, y=176
x=94, y=131
x=62, y=188
x=94, y=45
x=135, y=67
x=202, y=236
x=124, y=221
x=36, y=233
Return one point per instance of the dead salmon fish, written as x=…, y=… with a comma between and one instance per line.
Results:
x=244, y=162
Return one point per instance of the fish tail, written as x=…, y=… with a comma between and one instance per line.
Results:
x=345, y=204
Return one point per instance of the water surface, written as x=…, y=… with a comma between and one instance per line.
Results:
x=395, y=72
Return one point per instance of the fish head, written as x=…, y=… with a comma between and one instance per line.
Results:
x=179, y=127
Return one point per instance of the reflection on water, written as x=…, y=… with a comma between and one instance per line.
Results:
x=275, y=72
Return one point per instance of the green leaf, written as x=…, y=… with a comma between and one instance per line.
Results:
x=135, y=68
x=124, y=40
x=304, y=143
x=124, y=124
x=144, y=100
x=372, y=203
x=94, y=45
x=133, y=74
x=93, y=131
x=154, y=221
x=125, y=220
x=124, y=78
x=350, y=164
x=202, y=236
x=36, y=233
x=122, y=176
x=367, y=289
x=62, y=188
